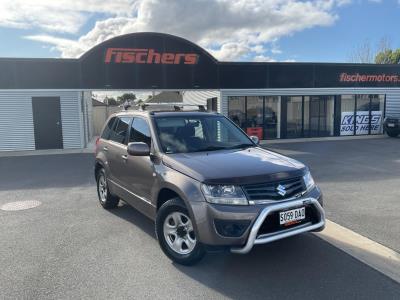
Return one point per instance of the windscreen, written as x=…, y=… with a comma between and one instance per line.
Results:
x=185, y=134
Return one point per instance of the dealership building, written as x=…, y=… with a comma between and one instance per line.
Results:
x=46, y=103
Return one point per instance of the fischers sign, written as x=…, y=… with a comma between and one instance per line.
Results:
x=362, y=122
x=148, y=56
x=149, y=61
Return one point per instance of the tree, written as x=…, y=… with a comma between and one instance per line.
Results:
x=110, y=101
x=126, y=97
x=366, y=53
x=388, y=56
x=362, y=54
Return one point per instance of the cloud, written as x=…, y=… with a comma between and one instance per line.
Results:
x=230, y=30
x=263, y=58
x=63, y=16
x=69, y=48
x=230, y=51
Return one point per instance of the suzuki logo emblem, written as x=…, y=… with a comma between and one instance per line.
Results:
x=281, y=190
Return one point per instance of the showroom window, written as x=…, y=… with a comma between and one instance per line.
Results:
x=321, y=116
x=256, y=115
x=255, y=120
x=377, y=109
x=237, y=110
x=362, y=114
x=348, y=103
x=271, y=117
x=310, y=116
x=294, y=117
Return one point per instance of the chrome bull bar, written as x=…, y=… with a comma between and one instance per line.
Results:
x=267, y=238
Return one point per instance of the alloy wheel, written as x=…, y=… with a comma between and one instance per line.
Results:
x=179, y=233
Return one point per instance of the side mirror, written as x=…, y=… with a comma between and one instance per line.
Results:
x=255, y=139
x=138, y=149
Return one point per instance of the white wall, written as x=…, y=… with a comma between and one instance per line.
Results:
x=16, y=120
x=199, y=97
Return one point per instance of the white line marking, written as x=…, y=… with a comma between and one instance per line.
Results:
x=20, y=205
x=377, y=256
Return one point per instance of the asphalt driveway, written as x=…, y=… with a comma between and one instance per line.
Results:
x=69, y=247
x=360, y=180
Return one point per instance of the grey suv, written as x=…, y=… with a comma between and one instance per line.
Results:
x=205, y=183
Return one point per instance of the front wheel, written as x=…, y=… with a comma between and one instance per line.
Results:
x=175, y=233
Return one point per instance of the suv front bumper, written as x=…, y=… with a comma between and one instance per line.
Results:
x=208, y=217
x=254, y=238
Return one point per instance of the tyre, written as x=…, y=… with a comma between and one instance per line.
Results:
x=107, y=200
x=392, y=133
x=175, y=233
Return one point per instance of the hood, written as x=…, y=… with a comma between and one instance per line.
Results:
x=245, y=166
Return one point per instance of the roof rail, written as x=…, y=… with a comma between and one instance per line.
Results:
x=172, y=106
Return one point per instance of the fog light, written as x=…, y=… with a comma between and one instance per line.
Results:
x=231, y=228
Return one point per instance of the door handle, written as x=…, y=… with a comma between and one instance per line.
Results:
x=105, y=149
x=124, y=157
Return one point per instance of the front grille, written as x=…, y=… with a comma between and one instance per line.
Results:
x=269, y=191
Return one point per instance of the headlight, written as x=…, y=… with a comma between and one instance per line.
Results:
x=224, y=194
x=308, y=181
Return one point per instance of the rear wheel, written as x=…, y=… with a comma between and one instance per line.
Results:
x=175, y=233
x=107, y=200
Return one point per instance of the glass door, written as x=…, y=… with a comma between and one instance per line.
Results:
x=271, y=115
x=321, y=116
x=294, y=117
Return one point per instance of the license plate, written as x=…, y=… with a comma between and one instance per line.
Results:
x=292, y=216
x=390, y=125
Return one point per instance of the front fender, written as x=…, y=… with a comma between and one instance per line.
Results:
x=187, y=188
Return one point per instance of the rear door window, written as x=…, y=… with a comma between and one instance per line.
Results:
x=120, y=130
x=107, y=130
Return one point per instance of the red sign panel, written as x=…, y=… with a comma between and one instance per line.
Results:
x=257, y=131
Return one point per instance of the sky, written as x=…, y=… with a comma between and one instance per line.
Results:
x=231, y=30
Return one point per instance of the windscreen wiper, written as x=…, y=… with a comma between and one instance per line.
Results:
x=241, y=146
x=211, y=148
